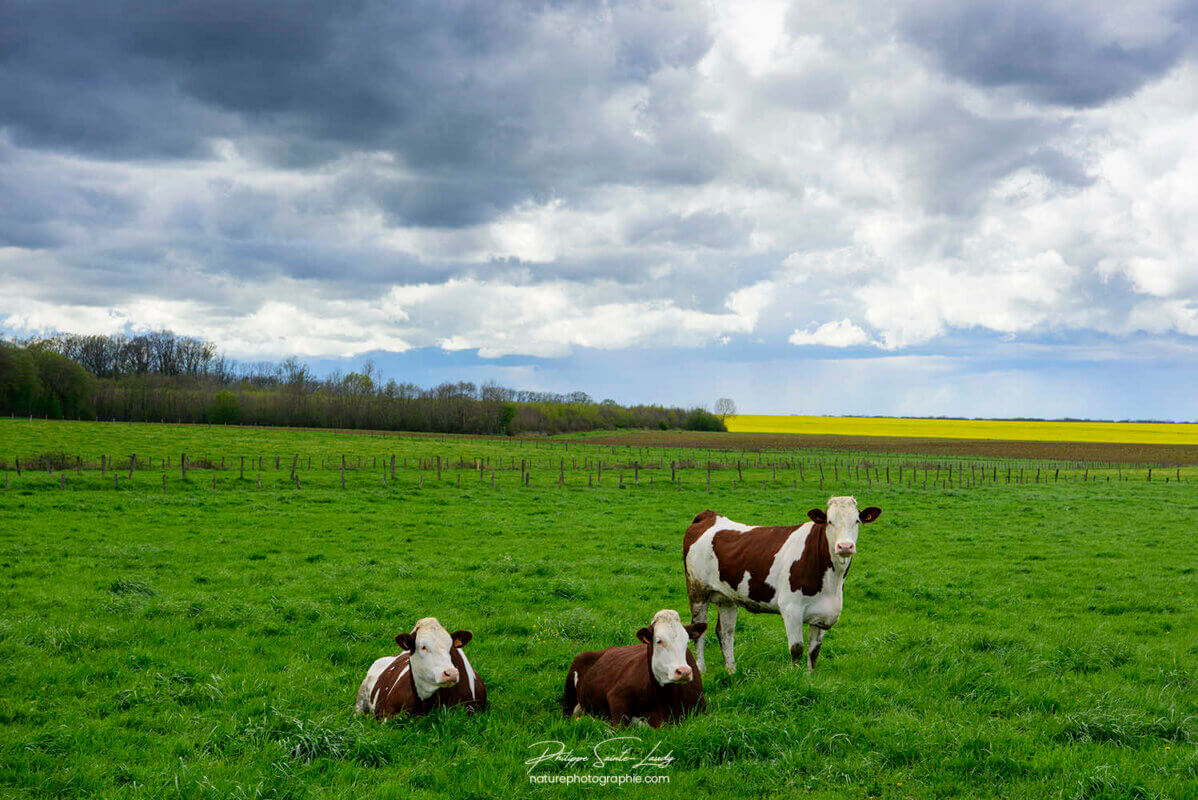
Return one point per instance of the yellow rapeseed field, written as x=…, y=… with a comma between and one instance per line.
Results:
x=1117, y=432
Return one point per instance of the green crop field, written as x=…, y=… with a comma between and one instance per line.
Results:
x=1004, y=635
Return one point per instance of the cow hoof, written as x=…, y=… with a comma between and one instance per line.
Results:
x=731, y=668
x=577, y=714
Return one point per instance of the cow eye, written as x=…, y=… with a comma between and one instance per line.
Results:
x=425, y=649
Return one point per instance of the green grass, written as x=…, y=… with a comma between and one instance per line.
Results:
x=1015, y=641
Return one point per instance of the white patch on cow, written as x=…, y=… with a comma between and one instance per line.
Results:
x=469, y=672
x=703, y=566
x=824, y=609
x=367, y=700
x=669, y=647
x=576, y=679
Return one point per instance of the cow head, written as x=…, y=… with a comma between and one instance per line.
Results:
x=429, y=646
x=842, y=519
x=667, y=638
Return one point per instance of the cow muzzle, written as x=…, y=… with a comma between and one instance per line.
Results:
x=449, y=677
x=682, y=675
x=845, y=548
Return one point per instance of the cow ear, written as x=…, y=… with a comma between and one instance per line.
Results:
x=645, y=635
x=461, y=638
x=696, y=630
x=406, y=642
x=869, y=514
x=817, y=516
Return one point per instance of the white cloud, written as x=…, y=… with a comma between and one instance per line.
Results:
x=551, y=319
x=832, y=334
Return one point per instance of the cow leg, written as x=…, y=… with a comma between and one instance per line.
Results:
x=699, y=614
x=816, y=635
x=793, y=622
x=726, y=631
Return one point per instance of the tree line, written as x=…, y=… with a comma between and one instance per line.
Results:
x=164, y=377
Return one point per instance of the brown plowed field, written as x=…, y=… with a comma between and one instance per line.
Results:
x=1179, y=454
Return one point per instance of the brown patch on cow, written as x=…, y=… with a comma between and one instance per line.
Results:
x=807, y=573
x=752, y=551
x=869, y=514
x=395, y=690
x=699, y=526
x=617, y=684
x=796, y=652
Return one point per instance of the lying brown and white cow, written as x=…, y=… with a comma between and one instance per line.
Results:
x=656, y=681
x=431, y=672
x=797, y=571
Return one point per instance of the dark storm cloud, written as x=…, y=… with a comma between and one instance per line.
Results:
x=1052, y=52
x=957, y=156
x=488, y=105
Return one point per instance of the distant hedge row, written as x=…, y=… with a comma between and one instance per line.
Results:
x=39, y=378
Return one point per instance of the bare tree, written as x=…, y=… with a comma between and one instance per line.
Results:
x=725, y=407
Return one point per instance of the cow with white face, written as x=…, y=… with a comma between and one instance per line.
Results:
x=431, y=671
x=654, y=682
x=797, y=571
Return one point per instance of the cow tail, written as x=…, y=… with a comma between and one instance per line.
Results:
x=570, y=693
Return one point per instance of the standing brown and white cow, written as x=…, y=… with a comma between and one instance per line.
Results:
x=655, y=681
x=797, y=571
x=432, y=671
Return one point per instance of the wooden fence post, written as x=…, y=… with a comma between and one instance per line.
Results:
x=342, y=470
x=183, y=465
x=241, y=475
x=132, y=465
x=392, y=467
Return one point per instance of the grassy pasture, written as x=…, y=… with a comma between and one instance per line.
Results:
x=1010, y=430
x=1021, y=640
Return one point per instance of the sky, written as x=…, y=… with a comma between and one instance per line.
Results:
x=863, y=207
